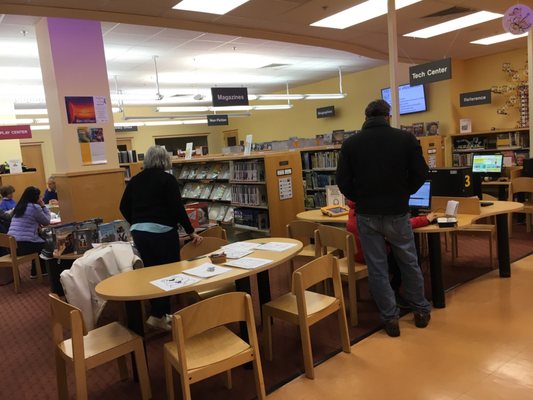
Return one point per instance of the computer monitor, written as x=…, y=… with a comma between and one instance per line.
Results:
x=487, y=163
x=421, y=200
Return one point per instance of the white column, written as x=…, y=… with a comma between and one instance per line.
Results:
x=393, y=62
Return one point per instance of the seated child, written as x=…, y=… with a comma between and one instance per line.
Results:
x=7, y=202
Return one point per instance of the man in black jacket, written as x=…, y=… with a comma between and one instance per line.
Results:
x=378, y=169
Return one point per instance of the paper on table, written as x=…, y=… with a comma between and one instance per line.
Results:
x=248, y=262
x=234, y=253
x=206, y=270
x=174, y=281
x=241, y=246
x=276, y=246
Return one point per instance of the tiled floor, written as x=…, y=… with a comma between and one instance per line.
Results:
x=480, y=347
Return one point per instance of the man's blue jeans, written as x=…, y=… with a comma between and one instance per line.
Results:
x=375, y=232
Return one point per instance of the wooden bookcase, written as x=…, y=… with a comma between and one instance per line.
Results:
x=513, y=143
x=265, y=188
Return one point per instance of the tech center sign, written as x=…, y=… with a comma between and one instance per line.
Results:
x=434, y=71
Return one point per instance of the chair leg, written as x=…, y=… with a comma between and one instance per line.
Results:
x=229, y=381
x=258, y=376
x=352, y=298
x=16, y=278
x=80, y=376
x=38, y=268
x=61, y=378
x=185, y=388
x=343, y=330
x=168, y=377
x=142, y=370
x=122, y=368
x=306, y=349
x=267, y=334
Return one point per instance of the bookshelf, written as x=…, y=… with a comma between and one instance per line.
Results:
x=131, y=169
x=319, y=165
x=261, y=192
x=512, y=143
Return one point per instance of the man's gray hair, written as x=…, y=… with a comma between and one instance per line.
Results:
x=157, y=157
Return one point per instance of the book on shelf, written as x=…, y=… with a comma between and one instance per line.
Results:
x=334, y=197
x=185, y=171
x=224, y=172
x=338, y=136
x=214, y=210
x=214, y=171
x=228, y=217
x=432, y=128
x=520, y=155
x=227, y=193
x=309, y=201
x=206, y=191
x=203, y=170
x=248, y=171
x=250, y=217
x=64, y=237
x=218, y=191
x=122, y=228
x=107, y=233
x=91, y=226
x=248, y=194
x=465, y=125
x=503, y=140
x=198, y=213
x=508, y=158
x=407, y=128
x=418, y=129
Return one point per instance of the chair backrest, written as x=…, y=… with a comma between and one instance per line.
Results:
x=8, y=242
x=208, y=245
x=215, y=231
x=303, y=231
x=66, y=316
x=522, y=185
x=213, y=312
x=316, y=271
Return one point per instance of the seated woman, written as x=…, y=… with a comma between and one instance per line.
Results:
x=29, y=215
x=7, y=198
x=396, y=276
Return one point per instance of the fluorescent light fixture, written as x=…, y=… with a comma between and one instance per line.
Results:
x=182, y=109
x=454, y=24
x=39, y=127
x=360, y=13
x=279, y=96
x=273, y=107
x=30, y=111
x=498, y=38
x=231, y=108
x=115, y=110
x=128, y=124
x=16, y=121
x=194, y=121
x=219, y=7
x=163, y=123
x=325, y=96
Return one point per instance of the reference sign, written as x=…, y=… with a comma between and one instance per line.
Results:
x=475, y=98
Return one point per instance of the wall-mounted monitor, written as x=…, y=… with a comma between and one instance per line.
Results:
x=412, y=98
x=487, y=163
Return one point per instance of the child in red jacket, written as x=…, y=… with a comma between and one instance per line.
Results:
x=396, y=276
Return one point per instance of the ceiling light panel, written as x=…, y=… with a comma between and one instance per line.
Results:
x=498, y=38
x=219, y=7
x=454, y=24
x=230, y=60
x=360, y=13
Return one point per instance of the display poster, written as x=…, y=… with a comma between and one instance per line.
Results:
x=15, y=132
x=15, y=166
x=92, y=145
x=285, y=188
x=248, y=145
x=188, y=151
x=86, y=109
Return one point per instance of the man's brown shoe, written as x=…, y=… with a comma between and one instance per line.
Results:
x=422, y=319
x=392, y=327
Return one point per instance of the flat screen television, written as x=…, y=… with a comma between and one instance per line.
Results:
x=421, y=200
x=487, y=163
x=412, y=99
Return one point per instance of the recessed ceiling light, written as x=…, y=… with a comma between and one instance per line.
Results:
x=219, y=7
x=360, y=13
x=498, y=38
x=454, y=24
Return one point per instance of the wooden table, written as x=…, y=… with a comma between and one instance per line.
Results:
x=504, y=189
x=134, y=286
x=500, y=209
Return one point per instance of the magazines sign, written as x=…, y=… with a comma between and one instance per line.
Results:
x=324, y=112
x=475, y=98
x=15, y=132
x=224, y=97
x=434, y=71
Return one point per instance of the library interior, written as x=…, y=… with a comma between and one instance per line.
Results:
x=241, y=113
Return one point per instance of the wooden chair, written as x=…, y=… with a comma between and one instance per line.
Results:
x=215, y=231
x=304, y=308
x=303, y=231
x=524, y=185
x=86, y=350
x=208, y=245
x=13, y=261
x=351, y=271
x=203, y=346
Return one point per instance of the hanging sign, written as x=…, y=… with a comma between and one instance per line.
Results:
x=218, y=119
x=15, y=132
x=475, y=98
x=434, y=71
x=224, y=97
x=324, y=112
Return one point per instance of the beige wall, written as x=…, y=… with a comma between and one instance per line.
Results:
x=443, y=102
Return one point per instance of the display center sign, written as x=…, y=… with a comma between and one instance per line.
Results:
x=224, y=97
x=15, y=132
x=434, y=71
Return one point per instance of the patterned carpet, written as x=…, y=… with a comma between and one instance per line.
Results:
x=27, y=364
